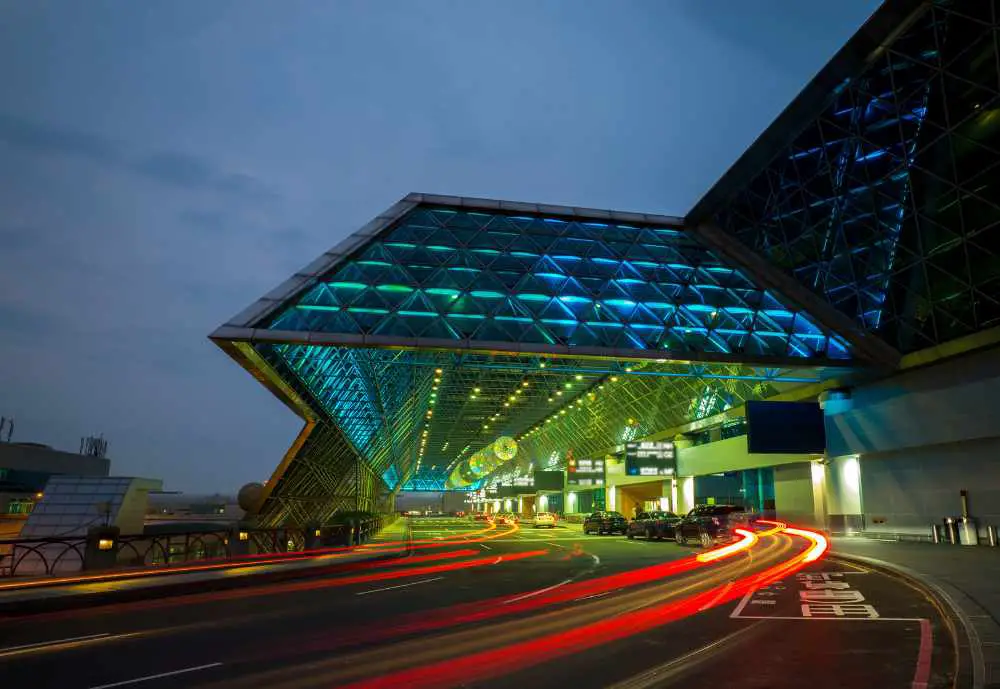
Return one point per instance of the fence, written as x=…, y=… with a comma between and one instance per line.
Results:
x=61, y=556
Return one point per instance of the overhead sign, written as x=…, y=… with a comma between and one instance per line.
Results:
x=585, y=472
x=548, y=480
x=650, y=458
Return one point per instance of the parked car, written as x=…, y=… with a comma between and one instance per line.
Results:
x=653, y=525
x=506, y=518
x=605, y=522
x=710, y=524
x=545, y=519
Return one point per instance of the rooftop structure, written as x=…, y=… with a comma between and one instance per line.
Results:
x=452, y=337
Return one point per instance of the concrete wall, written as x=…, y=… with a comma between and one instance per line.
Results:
x=947, y=403
x=728, y=455
x=43, y=459
x=922, y=436
x=795, y=494
x=908, y=489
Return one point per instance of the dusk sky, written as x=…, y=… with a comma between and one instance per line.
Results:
x=163, y=163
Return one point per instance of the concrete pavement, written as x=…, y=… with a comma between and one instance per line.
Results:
x=967, y=578
x=506, y=607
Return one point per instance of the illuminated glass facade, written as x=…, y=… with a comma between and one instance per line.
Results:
x=453, y=322
x=860, y=225
x=453, y=274
x=878, y=188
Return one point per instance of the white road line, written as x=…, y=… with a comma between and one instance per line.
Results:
x=485, y=547
x=399, y=586
x=717, y=598
x=162, y=674
x=531, y=594
x=594, y=595
x=56, y=642
x=554, y=545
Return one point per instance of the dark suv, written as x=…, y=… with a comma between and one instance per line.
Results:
x=710, y=524
x=653, y=525
x=605, y=522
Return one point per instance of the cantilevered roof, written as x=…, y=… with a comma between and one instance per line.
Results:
x=449, y=322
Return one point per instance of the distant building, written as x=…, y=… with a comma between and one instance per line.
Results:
x=25, y=468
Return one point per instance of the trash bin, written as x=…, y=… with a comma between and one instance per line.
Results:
x=968, y=531
x=951, y=529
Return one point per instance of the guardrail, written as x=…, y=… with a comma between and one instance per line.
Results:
x=49, y=556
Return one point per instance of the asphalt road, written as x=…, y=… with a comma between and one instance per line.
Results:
x=506, y=607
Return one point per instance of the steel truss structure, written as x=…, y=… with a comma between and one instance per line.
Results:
x=860, y=225
x=879, y=186
x=449, y=322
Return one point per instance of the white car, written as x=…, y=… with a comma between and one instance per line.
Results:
x=545, y=519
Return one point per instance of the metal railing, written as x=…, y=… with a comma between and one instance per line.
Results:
x=22, y=557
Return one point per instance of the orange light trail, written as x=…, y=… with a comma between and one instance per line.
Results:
x=820, y=544
x=747, y=540
x=521, y=655
x=254, y=560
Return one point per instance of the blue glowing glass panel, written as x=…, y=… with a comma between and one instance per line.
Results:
x=455, y=274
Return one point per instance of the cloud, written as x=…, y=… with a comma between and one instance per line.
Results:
x=171, y=168
x=42, y=139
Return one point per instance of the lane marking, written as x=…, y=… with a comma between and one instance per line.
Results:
x=716, y=599
x=593, y=595
x=922, y=673
x=485, y=547
x=554, y=545
x=162, y=674
x=655, y=676
x=56, y=642
x=531, y=594
x=399, y=586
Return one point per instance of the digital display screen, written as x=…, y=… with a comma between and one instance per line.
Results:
x=650, y=458
x=548, y=480
x=785, y=428
x=585, y=472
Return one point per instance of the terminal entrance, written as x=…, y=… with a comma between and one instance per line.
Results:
x=642, y=497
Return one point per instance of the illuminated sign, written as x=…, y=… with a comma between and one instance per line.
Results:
x=650, y=458
x=585, y=472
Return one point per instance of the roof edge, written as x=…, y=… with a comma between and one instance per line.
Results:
x=881, y=28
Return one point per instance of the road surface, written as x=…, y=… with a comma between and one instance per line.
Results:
x=473, y=606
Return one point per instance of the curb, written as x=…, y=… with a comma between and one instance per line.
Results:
x=969, y=648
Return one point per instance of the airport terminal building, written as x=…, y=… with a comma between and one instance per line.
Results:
x=817, y=337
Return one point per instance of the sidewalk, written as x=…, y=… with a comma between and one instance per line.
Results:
x=966, y=577
x=101, y=588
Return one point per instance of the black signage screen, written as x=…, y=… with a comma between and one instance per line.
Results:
x=650, y=459
x=785, y=427
x=585, y=472
x=548, y=480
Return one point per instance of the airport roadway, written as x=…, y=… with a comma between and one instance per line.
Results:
x=473, y=606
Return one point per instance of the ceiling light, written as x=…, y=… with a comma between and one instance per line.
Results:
x=579, y=377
